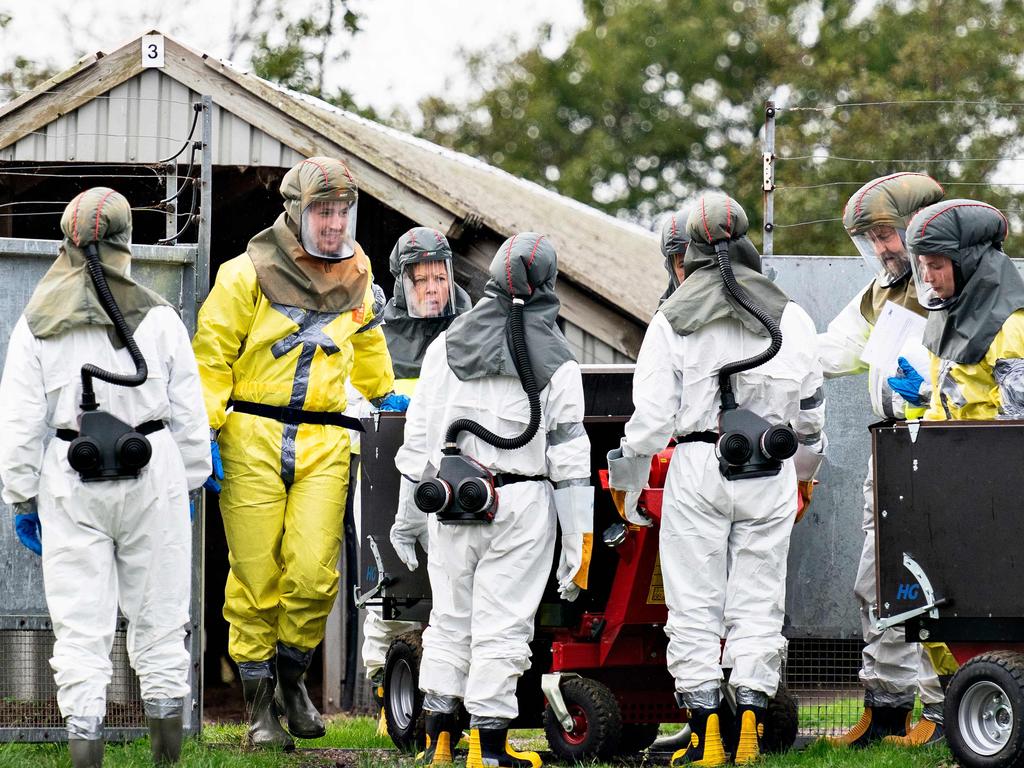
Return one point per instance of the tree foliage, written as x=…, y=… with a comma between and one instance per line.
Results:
x=24, y=74
x=654, y=101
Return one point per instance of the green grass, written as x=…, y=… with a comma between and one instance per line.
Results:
x=220, y=747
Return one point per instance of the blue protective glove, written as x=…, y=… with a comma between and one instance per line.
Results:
x=395, y=403
x=212, y=482
x=192, y=510
x=28, y=528
x=907, y=383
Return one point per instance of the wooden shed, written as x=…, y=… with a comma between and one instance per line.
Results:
x=109, y=116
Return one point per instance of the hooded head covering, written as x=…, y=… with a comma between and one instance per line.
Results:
x=408, y=337
x=287, y=273
x=703, y=297
x=890, y=201
x=673, y=242
x=989, y=287
x=66, y=297
x=479, y=343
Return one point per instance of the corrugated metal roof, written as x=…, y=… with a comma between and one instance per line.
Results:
x=143, y=120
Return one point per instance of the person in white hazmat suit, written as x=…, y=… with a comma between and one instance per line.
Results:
x=723, y=542
x=426, y=300
x=673, y=247
x=487, y=578
x=892, y=670
x=108, y=544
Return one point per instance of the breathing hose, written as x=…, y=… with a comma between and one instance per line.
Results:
x=90, y=371
x=741, y=296
x=525, y=371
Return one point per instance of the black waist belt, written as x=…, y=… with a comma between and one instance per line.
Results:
x=706, y=436
x=507, y=478
x=145, y=428
x=297, y=415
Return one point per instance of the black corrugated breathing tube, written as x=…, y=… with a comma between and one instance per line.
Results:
x=90, y=371
x=741, y=296
x=525, y=371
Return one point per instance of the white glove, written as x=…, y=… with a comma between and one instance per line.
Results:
x=410, y=526
x=574, y=505
x=808, y=458
x=627, y=470
x=631, y=513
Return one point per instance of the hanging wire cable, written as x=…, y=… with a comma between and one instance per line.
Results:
x=779, y=188
x=876, y=160
x=806, y=223
x=193, y=205
x=188, y=176
x=197, y=108
x=105, y=97
x=905, y=102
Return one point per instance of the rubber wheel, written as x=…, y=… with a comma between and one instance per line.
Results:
x=403, y=701
x=783, y=722
x=636, y=737
x=984, y=711
x=597, y=722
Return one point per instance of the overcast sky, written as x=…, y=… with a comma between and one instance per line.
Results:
x=407, y=49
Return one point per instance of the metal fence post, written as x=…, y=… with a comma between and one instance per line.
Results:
x=768, y=181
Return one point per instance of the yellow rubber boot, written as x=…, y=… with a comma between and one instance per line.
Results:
x=924, y=733
x=875, y=724
x=489, y=748
x=378, y=698
x=706, y=747
x=442, y=733
x=748, y=747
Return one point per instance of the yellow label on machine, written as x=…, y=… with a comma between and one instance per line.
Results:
x=656, y=594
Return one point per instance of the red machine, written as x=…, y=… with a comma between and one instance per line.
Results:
x=609, y=688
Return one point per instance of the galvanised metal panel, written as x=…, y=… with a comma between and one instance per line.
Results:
x=826, y=545
x=27, y=710
x=143, y=120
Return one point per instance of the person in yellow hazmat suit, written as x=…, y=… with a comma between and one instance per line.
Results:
x=276, y=340
x=975, y=298
x=425, y=301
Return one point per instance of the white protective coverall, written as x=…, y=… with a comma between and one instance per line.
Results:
x=106, y=545
x=724, y=543
x=487, y=580
x=891, y=669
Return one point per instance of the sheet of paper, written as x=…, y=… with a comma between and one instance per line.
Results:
x=894, y=326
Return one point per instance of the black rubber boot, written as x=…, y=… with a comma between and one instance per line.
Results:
x=304, y=720
x=706, y=746
x=874, y=725
x=165, y=734
x=264, y=728
x=443, y=733
x=489, y=747
x=86, y=753
x=751, y=722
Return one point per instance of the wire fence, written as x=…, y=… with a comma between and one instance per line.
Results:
x=154, y=174
x=808, y=174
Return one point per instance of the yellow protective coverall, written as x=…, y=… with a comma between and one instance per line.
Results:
x=990, y=389
x=284, y=485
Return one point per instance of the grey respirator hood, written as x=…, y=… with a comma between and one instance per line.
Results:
x=989, y=287
x=673, y=242
x=702, y=297
x=478, y=343
x=408, y=337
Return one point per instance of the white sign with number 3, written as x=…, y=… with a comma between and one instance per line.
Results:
x=153, y=50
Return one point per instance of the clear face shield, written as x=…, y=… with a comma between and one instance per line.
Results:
x=935, y=280
x=328, y=229
x=429, y=288
x=884, y=252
